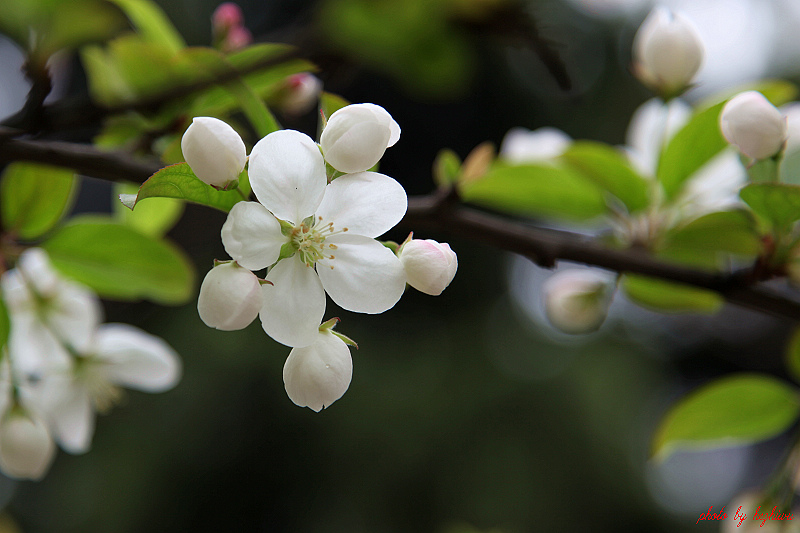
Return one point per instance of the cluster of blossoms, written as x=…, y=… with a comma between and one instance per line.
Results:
x=667, y=55
x=61, y=364
x=314, y=226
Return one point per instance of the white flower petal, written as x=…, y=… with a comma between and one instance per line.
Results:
x=364, y=276
x=294, y=305
x=394, y=127
x=73, y=419
x=287, y=173
x=317, y=375
x=33, y=347
x=136, y=359
x=26, y=448
x=230, y=297
x=214, y=151
x=74, y=314
x=366, y=203
x=252, y=236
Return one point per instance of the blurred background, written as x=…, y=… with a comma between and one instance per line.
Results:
x=467, y=413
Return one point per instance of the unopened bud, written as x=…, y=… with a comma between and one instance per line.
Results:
x=430, y=266
x=230, y=297
x=667, y=52
x=755, y=126
x=317, y=375
x=214, y=151
x=521, y=145
x=356, y=136
x=576, y=301
x=26, y=447
x=300, y=94
x=236, y=39
x=227, y=15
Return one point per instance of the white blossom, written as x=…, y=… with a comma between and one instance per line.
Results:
x=120, y=356
x=230, y=297
x=317, y=375
x=521, y=145
x=356, y=136
x=576, y=301
x=755, y=126
x=667, y=51
x=430, y=266
x=214, y=151
x=332, y=229
x=47, y=312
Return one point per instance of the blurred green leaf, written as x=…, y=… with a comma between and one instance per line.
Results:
x=34, y=197
x=151, y=22
x=764, y=170
x=330, y=103
x=691, y=148
x=154, y=217
x=536, y=190
x=670, y=297
x=778, y=92
x=446, y=168
x=731, y=411
x=119, y=262
x=178, y=181
x=793, y=355
x=611, y=171
x=725, y=231
x=779, y=203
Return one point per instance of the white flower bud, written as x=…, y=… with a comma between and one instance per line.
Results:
x=753, y=125
x=214, y=151
x=430, y=266
x=300, y=94
x=521, y=145
x=315, y=376
x=26, y=447
x=667, y=51
x=576, y=301
x=356, y=137
x=230, y=297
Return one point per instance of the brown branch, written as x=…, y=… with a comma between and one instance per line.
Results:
x=443, y=212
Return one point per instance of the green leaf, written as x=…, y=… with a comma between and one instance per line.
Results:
x=610, y=170
x=178, y=181
x=153, y=217
x=691, y=148
x=731, y=411
x=670, y=297
x=446, y=168
x=34, y=197
x=778, y=92
x=793, y=355
x=119, y=262
x=152, y=23
x=725, y=231
x=779, y=203
x=536, y=190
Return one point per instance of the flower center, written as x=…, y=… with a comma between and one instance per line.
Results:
x=104, y=393
x=309, y=240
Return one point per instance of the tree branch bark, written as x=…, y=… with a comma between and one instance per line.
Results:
x=443, y=212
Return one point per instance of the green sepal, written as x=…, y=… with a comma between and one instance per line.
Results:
x=264, y=282
x=217, y=262
x=393, y=246
x=329, y=324
x=288, y=249
x=347, y=340
x=286, y=227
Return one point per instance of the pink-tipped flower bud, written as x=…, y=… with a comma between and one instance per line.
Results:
x=667, y=52
x=317, y=375
x=230, y=297
x=752, y=124
x=227, y=16
x=430, y=266
x=356, y=137
x=300, y=94
x=214, y=151
x=576, y=301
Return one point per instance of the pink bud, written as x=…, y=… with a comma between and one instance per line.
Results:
x=226, y=17
x=237, y=38
x=302, y=93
